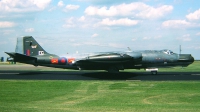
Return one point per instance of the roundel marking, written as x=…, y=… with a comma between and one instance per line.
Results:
x=54, y=60
x=71, y=60
x=63, y=60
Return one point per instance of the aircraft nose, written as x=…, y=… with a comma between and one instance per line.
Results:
x=186, y=58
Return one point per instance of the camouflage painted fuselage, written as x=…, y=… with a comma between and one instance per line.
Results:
x=30, y=52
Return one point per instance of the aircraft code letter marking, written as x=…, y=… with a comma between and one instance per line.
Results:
x=40, y=52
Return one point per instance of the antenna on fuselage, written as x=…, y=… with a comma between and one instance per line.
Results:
x=180, y=49
x=129, y=49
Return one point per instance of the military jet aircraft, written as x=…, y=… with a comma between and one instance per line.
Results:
x=30, y=52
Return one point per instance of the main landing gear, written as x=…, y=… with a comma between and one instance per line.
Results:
x=154, y=72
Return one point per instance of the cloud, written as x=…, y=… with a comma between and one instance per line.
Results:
x=158, y=37
x=41, y=3
x=95, y=35
x=23, y=5
x=134, y=39
x=60, y=4
x=136, y=9
x=7, y=32
x=176, y=23
x=87, y=22
x=116, y=45
x=185, y=37
x=82, y=18
x=81, y=22
x=146, y=38
x=105, y=2
x=29, y=30
x=6, y=24
x=198, y=34
x=119, y=22
x=194, y=16
x=71, y=7
x=196, y=47
x=70, y=23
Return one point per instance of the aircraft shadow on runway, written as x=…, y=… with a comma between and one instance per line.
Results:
x=143, y=76
x=30, y=73
x=140, y=76
x=110, y=76
x=82, y=75
x=56, y=75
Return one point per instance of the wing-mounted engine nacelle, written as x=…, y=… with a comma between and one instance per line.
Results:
x=137, y=56
x=57, y=61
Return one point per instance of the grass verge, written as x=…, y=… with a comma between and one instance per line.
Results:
x=20, y=95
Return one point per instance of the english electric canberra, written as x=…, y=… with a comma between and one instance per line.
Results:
x=30, y=52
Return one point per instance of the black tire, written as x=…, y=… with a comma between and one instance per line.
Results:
x=154, y=72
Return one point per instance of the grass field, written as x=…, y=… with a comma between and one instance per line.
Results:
x=20, y=95
x=124, y=96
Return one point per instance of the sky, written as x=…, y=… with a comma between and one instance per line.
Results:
x=66, y=27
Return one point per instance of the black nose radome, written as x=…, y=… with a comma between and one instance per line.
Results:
x=185, y=58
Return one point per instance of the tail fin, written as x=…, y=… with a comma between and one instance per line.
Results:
x=28, y=46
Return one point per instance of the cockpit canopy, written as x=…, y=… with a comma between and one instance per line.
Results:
x=169, y=52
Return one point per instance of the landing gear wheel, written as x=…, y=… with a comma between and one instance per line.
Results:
x=154, y=72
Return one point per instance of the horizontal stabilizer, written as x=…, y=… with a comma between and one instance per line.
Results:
x=20, y=57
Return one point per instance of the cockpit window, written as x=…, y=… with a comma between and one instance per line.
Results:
x=169, y=52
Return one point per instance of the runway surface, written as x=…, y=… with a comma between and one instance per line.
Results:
x=60, y=75
x=26, y=72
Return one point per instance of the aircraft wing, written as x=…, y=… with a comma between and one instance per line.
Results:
x=107, y=61
x=106, y=58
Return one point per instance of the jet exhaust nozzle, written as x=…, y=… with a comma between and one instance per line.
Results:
x=10, y=59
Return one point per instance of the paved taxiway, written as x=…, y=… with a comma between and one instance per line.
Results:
x=26, y=72
x=79, y=75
